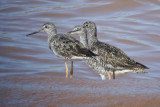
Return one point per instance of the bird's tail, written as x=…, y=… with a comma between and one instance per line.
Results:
x=141, y=65
x=88, y=53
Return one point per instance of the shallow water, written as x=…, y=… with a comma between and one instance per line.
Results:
x=30, y=72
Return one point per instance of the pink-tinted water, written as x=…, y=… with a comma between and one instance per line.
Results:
x=32, y=76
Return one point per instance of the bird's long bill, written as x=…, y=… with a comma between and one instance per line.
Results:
x=71, y=32
x=35, y=32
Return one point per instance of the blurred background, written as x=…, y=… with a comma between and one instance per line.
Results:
x=31, y=75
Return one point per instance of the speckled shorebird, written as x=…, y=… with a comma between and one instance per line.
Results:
x=112, y=58
x=91, y=62
x=65, y=46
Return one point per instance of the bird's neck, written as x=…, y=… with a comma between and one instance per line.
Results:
x=84, y=40
x=51, y=34
x=92, y=36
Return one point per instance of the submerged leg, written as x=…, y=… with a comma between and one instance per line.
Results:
x=109, y=76
x=102, y=76
x=71, y=72
x=66, y=68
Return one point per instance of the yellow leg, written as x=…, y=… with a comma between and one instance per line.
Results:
x=71, y=73
x=66, y=68
x=109, y=76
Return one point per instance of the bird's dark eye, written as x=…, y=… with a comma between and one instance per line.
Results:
x=86, y=25
x=46, y=27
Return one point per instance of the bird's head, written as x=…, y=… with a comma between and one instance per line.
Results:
x=78, y=30
x=46, y=28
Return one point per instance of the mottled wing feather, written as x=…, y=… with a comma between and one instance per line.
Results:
x=68, y=46
x=112, y=55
